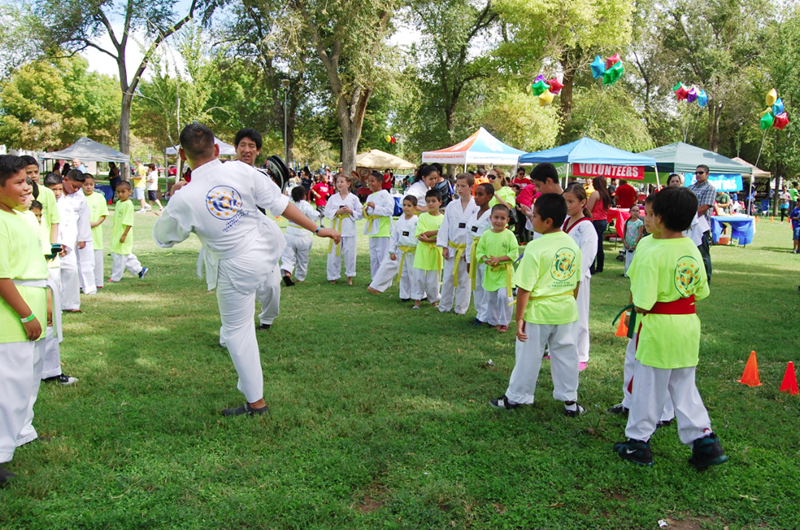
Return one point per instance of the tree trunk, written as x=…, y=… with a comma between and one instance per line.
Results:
x=450, y=120
x=351, y=120
x=125, y=132
x=566, y=92
x=714, y=115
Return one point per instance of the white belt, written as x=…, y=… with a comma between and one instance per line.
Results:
x=31, y=283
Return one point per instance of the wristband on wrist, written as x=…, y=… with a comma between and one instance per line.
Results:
x=26, y=320
x=317, y=230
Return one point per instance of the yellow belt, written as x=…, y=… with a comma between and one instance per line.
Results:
x=404, y=250
x=509, y=266
x=545, y=296
x=370, y=218
x=460, y=249
x=436, y=249
x=473, y=265
x=338, y=217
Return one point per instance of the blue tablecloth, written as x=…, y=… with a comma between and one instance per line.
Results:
x=742, y=228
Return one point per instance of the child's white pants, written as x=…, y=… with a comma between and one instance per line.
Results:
x=668, y=412
x=51, y=364
x=378, y=253
x=269, y=294
x=18, y=360
x=582, y=325
x=652, y=388
x=86, y=268
x=28, y=433
x=238, y=333
x=499, y=310
x=563, y=363
x=70, y=282
x=480, y=296
x=120, y=262
x=295, y=256
x=461, y=292
x=628, y=260
x=99, y=267
x=427, y=284
x=348, y=252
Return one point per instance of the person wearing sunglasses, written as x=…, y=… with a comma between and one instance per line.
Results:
x=706, y=194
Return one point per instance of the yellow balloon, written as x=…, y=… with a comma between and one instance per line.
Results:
x=768, y=110
x=545, y=98
x=772, y=97
x=388, y=138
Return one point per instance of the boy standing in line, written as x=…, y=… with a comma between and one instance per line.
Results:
x=98, y=211
x=378, y=210
x=452, y=237
x=122, y=255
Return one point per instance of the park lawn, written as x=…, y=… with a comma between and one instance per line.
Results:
x=380, y=416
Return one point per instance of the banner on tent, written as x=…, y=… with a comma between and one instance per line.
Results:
x=719, y=181
x=605, y=170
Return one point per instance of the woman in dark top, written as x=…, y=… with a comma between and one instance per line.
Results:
x=598, y=204
x=113, y=176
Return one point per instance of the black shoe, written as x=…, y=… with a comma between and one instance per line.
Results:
x=63, y=379
x=245, y=409
x=477, y=322
x=405, y=299
x=618, y=409
x=263, y=327
x=707, y=451
x=5, y=476
x=665, y=423
x=636, y=451
x=579, y=411
x=503, y=403
x=288, y=281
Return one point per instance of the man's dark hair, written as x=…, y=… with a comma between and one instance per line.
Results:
x=542, y=172
x=76, y=175
x=298, y=193
x=704, y=168
x=480, y=171
x=622, y=181
x=520, y=169
x=438, y=167
x=677, y=207
x=251, y=134
x=434, y=193
x=411, y=199
x=51, y=179
x=501, y=208
x=29, y=161
x=10, y=165
x=487, y=188
x=197, y=141
x=551, y=206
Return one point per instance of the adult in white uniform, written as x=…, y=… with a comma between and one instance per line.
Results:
x=76, y=234
x=426, y=178
x=452, y=237
x=242, y=245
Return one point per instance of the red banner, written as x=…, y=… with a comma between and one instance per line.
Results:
x=610, y=172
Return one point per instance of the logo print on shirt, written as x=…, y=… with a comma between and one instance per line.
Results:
x=687, y=275
x=223, y=202
x=564, y=264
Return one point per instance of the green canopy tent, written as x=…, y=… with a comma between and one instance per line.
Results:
x=684, y=158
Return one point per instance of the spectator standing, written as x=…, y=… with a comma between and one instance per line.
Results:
x=705, y=193
x=626, y=195
x=598, y=205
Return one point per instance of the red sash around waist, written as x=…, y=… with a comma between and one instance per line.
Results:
x=681, y=306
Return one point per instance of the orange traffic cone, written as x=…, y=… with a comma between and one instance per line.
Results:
x=622, y=329
x=789, y=384
x=756, y=218
x=750, y=375
x=771, y=218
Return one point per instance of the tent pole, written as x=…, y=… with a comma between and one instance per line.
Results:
x=658, y=181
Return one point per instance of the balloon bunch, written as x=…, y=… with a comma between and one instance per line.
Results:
x=682, y=92
x=546, y=90
x=610, y=70
x=392, y=139
x=775, y=115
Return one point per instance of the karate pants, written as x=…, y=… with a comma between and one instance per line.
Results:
x=378, y=253
x=238, y=333
x=86, y=268
x=348, y=251
x=99, y=268
x=563, y=363
x=269, y=294
x=628, y=260
x=70, y=282
x=461, y=292
x=652, y=388
x=480, y=296
x=16, y=388
x=121, y=262
x=28, y=433
x=668, y=412
x=427, y=284
x=582, y=325
x=385, y=276
x=51, y=365
x=499, y=310
x=295, y=256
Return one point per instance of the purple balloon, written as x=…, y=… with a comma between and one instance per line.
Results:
x=691, y=97
x=539, y=77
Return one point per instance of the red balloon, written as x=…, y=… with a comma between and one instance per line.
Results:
x=555, y=86
x=781, y=121
x=682, y=93
x=611, y=61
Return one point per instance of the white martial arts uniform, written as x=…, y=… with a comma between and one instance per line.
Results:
x=346, y=226
x=241, y=247
x=668, y=412
x=268, y=294
x=402, y=244
x=86, y=255
x=379, y=244
x=74, y=227
x=298, y=244
x=453, y=234
x=584, y=234
x=418, y=190
x=476, y=226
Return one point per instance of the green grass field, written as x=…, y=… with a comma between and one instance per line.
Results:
x=379, y=415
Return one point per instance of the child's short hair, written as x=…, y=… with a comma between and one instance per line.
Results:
x=76, y=175
x=298, y=193
x=88, y=176
x=10, y=165
x=434, y=193
x=29, y=161
x=542, y=172
x=345, y=177
x=501, y=208
x=487, y=188
x=36, y=204
x=650, y=198
x=125, y=184
x=551, y=206
x=466, y=176
x=677, y=207
x=51, y=179
x=411, y=199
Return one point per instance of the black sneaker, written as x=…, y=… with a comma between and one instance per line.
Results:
x=5, y=476
x=288, y=281
x=707, y=451
x=580, y=410
x=618, y=409
x=402, y=300
x=503, y=403
x=245, y=409
x=636, y=451
x=477, y=322
x=63, y=379
x=664, y=423
x=264, y=327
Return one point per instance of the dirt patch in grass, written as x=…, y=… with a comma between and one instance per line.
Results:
x=373, y=498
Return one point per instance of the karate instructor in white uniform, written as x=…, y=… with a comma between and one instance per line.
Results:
x=243, y=245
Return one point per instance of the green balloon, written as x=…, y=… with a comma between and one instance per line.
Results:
x=613, y=74
x=539, y=87
x=766, y=121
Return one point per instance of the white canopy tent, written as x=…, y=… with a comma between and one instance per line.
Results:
x=88, y=151
x=377, y=159
x=480, y=148
x=224, y=149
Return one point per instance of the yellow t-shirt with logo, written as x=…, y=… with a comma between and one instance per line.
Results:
x=428, y=257
x=21, y=258
x=550, y=270
x=140, y=180
x=50, y=215
x=669, y=270
x=123, y=216
x=97, y=209
x=493, y=244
